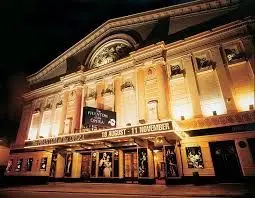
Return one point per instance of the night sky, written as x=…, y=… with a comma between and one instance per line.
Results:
x=34, y=32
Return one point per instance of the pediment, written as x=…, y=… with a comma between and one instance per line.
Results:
x=99, y=50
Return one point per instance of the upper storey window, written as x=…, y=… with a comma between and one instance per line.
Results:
x=109, y=52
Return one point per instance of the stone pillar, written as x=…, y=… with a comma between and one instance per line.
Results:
x=163, y=95
x=141, y=94
x=63, y=113
x=117, y=103
x=100, y=99
x=224, y=80
x=77, y=109
x=151, y=164
x=193, y=87
x=121, y=164
x=76, y=166
x=60, y=166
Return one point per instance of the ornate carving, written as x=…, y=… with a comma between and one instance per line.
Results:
x=204, y=63
x=110, y=54
x=234, y=56
x=127, y=84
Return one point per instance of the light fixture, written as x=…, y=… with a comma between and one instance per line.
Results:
x=251, y=107
x=214, y=113
x=182, y=117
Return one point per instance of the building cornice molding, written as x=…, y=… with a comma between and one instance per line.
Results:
x=171, y=11
x=208, y=39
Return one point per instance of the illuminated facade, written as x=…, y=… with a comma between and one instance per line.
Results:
x=183, y=101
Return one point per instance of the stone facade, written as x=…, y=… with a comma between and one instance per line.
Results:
x=202, y=86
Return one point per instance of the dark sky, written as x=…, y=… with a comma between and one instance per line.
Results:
x=34, y=32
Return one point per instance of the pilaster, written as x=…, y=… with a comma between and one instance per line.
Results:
x=193, y=87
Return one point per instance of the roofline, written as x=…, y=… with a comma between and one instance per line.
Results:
x=63, y=56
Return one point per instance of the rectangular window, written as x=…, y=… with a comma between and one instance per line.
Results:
x=19, y=165
x=45, y=125
x=29, y=164
x=34, y=126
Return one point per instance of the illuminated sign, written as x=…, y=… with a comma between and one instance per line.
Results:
x=103, y=134
x=98, y=117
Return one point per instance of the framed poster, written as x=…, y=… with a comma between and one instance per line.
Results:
x=53, y=164
x=142, y=162
x=171, y=167
x=194, y=157
x=19, y=165
x=105, y=164
x=43, y=164
x=68, y=164
x=9, y=165
x=29, y=164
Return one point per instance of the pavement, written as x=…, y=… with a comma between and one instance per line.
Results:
x=59, y=189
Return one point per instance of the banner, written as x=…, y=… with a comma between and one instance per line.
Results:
x=98, y=117
x=104, y=134
x=143, y=162
x=19, y=165
x=171, y=167
x=194, y=157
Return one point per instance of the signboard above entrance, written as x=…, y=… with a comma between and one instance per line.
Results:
x=98, y=118
x=103, y=134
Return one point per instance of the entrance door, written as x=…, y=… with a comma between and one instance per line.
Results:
x=130, y=166
x=225, y=161
x=85, y=166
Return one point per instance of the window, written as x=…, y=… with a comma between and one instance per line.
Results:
x=43, y=164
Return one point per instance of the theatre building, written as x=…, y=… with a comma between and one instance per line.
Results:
x=155, y=97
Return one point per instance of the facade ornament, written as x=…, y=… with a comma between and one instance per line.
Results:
x=234, y=56
x=110, y=53
x=127, y=84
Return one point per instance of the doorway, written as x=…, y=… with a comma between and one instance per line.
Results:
x=225, y=160
x=130, y=166
x=85, y=166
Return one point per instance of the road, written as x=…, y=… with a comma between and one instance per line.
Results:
x=90, y=190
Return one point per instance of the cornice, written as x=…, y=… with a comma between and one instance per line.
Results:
x=216, y=36
x=171, y=11
x=43, y=91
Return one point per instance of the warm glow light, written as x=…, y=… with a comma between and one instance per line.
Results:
x=32, y=133
x=244, y=101
x=182, y=110
x=217, y=105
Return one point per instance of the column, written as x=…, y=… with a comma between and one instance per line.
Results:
x=64, y=109
x=163, y=95
x=100, y=99
x=121, y=164
x=76, y=166
x=224, y=80
x=77, y=109
x=117, y=108
x=60, y=165
x=193, y=88
x=151, y=164
x=141, y=94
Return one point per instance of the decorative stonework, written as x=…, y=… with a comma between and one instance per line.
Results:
x=109, y=53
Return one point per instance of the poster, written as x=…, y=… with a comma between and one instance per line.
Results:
x=43, y=164
x=68, y=164
x=9, y=165
x=171, y=167
x=98, y=117
x=105, y=164
x=29, y=164
x=142, y=162
x=19, y=165
x=53, y=164
x=194, y=157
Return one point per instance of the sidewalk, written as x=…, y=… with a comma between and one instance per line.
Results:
x=215, y=190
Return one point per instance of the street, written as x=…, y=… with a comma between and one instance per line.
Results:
x=106, y=190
